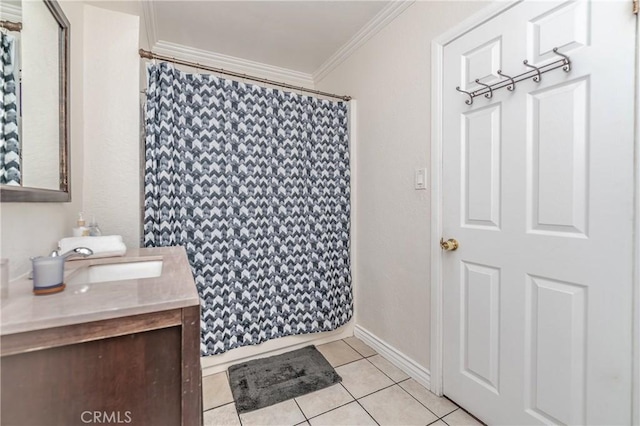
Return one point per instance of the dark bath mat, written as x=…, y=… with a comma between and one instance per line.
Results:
x=267, y=381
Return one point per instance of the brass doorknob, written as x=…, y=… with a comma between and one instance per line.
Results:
x=449, y=245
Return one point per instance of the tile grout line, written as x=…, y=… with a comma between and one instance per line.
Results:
x=339, y=406
x=390, y=378
x=303, y=414
x=361, y=406
x=333, y=409
x=356, y=351
x=361, y=354
x=420, y=402
x=238, y=414
x=470, y=415
x=347, y=363
x=361, y=357
x=218, y=406
x=455, y=409
x=224, y=405
x=371, y=356
x=364, y=358
x=370, y=393
x=226, y=375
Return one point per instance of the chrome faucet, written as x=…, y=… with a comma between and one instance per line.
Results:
x=78, y=251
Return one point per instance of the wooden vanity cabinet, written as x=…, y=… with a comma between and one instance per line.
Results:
x=138, y=370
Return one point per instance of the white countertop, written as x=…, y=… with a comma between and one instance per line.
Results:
x=175, y=288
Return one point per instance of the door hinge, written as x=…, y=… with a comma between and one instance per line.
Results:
x=636, y=7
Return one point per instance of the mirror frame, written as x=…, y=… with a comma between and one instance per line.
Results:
x=9, y=193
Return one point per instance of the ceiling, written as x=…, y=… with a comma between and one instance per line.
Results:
x=297, y=35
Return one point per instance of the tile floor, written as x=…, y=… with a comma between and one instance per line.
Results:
x=373, y=392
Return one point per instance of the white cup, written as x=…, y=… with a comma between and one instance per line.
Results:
x=48, y=272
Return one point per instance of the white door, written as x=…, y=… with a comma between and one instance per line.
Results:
x=538, y=191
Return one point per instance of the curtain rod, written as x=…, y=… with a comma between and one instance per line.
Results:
x=11, y=26
x=150, y=55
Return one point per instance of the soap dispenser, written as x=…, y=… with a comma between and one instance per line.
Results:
x=94, y=230
x=81, y=230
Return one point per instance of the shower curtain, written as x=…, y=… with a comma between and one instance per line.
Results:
x=254, y=182
x=9, y=142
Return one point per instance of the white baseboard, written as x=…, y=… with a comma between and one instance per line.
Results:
x=397, y=358
x=218, y=363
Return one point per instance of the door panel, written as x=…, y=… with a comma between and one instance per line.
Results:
x=556, y=350
x=481, y=63
x=481, y=315
x=481, y=168
x=566, y=27
x=538, y=190
x=558, y=140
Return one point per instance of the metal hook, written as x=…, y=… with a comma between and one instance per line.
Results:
x=486, y=95
x=468, y=101
x=511, y=87
x=567, y=61
x=537, y=77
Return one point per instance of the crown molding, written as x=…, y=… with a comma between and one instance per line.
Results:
x=377, y=23
x=10, y=12
x=150, y=21
x=233, y=63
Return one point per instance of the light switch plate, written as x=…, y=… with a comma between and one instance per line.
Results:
x=421, y=179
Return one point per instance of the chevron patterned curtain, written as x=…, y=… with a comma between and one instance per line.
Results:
x=254, y=182
x=9, y=144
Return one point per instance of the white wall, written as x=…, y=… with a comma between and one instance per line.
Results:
x=390, y=78
x=32, y=229
x=112, y=122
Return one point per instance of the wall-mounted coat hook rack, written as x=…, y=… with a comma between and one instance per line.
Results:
x=567, y=62
x=467, y=101
x=538, y=77
x=511, y=87
x=535, y=73
x=486, y=95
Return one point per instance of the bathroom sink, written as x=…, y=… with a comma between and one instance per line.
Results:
x=116, y=272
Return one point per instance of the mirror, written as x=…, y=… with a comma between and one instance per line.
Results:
x=34, y=149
